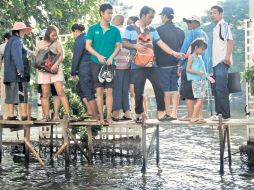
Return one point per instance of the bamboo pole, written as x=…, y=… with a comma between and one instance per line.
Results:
x=78, y=145
x=157, y=144
x=31, y=148
x=90, y=142
x=222, y=145
x=60, y=150
x=144, y=149
x=229, y=146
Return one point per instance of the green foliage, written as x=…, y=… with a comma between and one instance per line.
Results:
x=248, y=75
x=235, y=12
x=42, y=13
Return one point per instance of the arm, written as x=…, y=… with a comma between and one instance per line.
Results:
x=93, y=52
x=229, y=52
x=60, y=52
x=168, y=50
x=117, y=49
x=77, y=54
x=189, y=70
x=16, y=53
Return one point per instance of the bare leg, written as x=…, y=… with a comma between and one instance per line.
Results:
x=57, y=104
x=109, y=102
x=175, y=101
x=116, y=114
x=11, y=110
x=167, y=102
x=93, y=107
x=45, y=99
x=190, y=104
x=61, y=95
x=23, y=108
x=100, y=103
x=197, y=108
x=88, y=107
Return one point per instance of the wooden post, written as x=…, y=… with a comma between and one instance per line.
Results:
x=78, y=145
x=66, y=141
x=90, y=143
x=222, y=145
x=144, y=146
x=27, y=139
x=157, y=144
x=31, y=148
x=1, y=143
x=229, y=146
x=51, y=140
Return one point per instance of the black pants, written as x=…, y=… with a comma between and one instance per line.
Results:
x=139, y=76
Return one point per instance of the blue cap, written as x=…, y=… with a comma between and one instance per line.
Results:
x=168, y=11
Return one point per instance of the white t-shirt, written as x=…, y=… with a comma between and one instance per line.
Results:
x=221, y=34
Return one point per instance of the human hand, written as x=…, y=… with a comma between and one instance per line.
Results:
x=140, y=48
x=54, y=68
x=227, y=61
x=109, y=61
x=101, y=59
x=178, y=54
x=211, y=79
x=74, y=77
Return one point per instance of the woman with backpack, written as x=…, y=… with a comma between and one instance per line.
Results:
x=56, y=77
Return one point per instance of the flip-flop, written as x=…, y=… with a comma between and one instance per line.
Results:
x=126, y=118
x=166, y=117
x=115, y=119
x=184, y=118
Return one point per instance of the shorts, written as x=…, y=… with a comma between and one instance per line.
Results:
x=16, y=92
x=198, y=88
x=47, y=78
x=169, y=78
x=185, y=89
x=95, y=69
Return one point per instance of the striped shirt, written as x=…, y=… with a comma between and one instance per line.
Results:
x=122, y=58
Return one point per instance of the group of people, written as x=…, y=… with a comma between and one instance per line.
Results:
x=118, y=60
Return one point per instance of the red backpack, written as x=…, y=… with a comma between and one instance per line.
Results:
x=146, y=58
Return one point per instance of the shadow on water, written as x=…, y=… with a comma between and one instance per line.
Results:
x=189, y=159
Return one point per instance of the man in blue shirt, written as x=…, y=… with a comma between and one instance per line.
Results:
x=194, y=32
x=140, y=74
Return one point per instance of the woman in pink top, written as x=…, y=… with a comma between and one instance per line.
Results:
x=45, y=79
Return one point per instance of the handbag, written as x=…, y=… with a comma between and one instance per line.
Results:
x=45, y=60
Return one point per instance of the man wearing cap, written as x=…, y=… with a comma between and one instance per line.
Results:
x=173, y=37
x=221, y=59
x=16, y=71
x=194, y=32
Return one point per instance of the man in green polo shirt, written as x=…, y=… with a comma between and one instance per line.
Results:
x=103, y=41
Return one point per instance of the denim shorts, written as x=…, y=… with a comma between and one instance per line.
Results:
x=169, y=78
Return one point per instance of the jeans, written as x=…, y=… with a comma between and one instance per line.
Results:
x=221, y=93
x=121, y=90
x=153, y=75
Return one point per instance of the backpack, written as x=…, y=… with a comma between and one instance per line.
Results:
x=46, y=59
x=143, y=59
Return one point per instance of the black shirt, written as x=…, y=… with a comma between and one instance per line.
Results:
x=173, y=37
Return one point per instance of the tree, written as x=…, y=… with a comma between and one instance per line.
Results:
x=234, y=16
x=42, y=13
x=119, y=7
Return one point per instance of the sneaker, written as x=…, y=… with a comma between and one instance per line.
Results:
x=216, y=118
x=110, y=73
x=103, y=73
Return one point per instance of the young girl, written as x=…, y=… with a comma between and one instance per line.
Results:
x=197, y=74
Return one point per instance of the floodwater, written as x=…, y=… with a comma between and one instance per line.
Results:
x=189, y=159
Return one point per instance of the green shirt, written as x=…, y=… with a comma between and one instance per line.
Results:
x=103, y=42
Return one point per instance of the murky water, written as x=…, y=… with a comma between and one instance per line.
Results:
x=189, y=159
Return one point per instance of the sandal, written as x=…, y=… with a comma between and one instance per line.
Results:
x=45, y=119
x=197, y=121
x=166, y=117
x=184, y=118
x=126, y=118
x=139, y=120
x=115, y=119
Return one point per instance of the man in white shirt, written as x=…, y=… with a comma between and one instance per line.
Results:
x=221, y=60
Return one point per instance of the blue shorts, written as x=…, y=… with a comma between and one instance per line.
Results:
x=169, y=78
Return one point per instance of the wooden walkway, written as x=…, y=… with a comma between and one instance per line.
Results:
x=223, y=127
